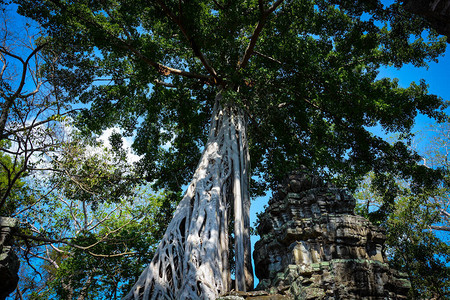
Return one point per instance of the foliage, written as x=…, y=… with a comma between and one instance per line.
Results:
x=18, y=191
x=418, y=249
x=93, y=227
x=417, y=223
x=100, y=272
x=304, y=71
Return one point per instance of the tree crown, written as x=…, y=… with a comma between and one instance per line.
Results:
x=305, y=72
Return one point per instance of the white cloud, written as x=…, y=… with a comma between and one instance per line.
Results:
x=104, y=138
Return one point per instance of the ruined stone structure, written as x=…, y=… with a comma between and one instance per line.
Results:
x=314, y=247
x=9, y=262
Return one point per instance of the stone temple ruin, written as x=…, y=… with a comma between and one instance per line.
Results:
x=313, y=246
x=9, y=262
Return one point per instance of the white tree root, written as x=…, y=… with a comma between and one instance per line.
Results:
x=191, y=261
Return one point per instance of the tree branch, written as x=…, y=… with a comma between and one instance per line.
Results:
x=162, y=69
x=34, y=125
x=63, y=241
x=261, y=6
x=192, y=43
x=3, y=67
x=218, y=4
x=34, y=203
x=112, y=255
x=10, y=99
x=24, y=66
x=262, y=21
x=166, y=84
x=445, y=213
x=49, y=260
x=268, y=57
x=441, y=228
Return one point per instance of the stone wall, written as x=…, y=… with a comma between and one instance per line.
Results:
x=9, y=263
x=314, y=247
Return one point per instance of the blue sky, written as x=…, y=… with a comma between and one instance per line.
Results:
x=437, y=76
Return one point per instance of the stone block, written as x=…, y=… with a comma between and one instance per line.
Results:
x=318, y=248
x=9, y=262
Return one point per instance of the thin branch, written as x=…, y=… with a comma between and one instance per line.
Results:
x=445, y=213
x=267, y=57
x=63, y=241
x=85, y=214
x=218, y=4
x=57, y=249
x=70, y=207
x=193, y=44
x=24, y=66
x=3, y=67
x=34, y=203
x=259, y=27
x=19, y=293
x=274, y=6
x=35, y=124
x=112, y=255
x=441, y=228
x=51, y=261
x=5, y=51
x=165, y=70
x=166, y=84
x=91, y=228
x=9, y=101
x=36, y=90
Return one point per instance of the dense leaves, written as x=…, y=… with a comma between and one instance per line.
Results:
x=18, y=193
x=92, y=226
x=416, y=221
x=416, y=240
x=309, y=85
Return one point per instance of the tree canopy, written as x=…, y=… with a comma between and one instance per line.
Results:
x=416, y=222
x=304, y=71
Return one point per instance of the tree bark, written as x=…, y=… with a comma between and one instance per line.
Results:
x=437, y=12
x=191, y=261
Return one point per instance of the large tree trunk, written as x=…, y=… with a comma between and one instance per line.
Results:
x=437, y=12
x=191, y=262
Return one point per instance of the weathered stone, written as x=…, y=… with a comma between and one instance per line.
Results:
x=313, y=246
x=253, y=295
x=9, y=262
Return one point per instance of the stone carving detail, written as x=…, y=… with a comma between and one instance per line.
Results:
x=9, y=262
x=313, y=246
